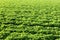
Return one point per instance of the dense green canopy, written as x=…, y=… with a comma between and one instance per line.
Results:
x=29, y=20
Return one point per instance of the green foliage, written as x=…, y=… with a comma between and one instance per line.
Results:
x=29, y=20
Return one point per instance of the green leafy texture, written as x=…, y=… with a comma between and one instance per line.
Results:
x=29, y=20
